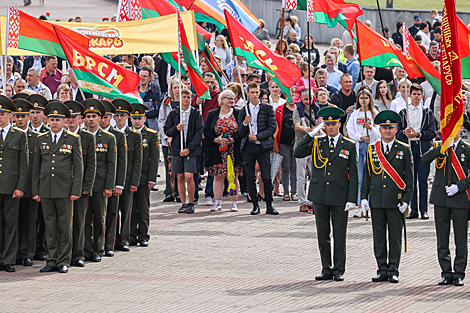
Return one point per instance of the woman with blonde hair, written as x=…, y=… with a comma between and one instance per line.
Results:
x=221, y=133
x=221, y=49
x=64, y=93
x=293, y=48
x=236, y=88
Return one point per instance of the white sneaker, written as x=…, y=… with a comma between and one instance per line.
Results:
x=358, y=213
x=234, y=208
x=216, y=207
x=209, y=201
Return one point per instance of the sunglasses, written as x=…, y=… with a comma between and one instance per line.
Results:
x=244, y=75
x=230, y=99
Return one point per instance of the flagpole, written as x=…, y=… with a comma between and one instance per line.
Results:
x=197, y=62
x=282, y=30
x=309, y=84
x=243, y=92
x=218, y=65
x=179, y=76
x=4, y=63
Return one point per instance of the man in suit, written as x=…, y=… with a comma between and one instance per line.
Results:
x=105, y=179
x=451, y=203
x=134, y=169
x=36, y=123
x=121, y=170
x=387, y=187
x=37, y=61
x=333, y=189
x=140, y=218
x=419, y=134
x=57, y=182
x=28, y=207
x=257, y=130
x=13, y=180
x=89, y=170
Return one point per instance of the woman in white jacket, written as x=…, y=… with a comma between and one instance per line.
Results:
x=362, y=132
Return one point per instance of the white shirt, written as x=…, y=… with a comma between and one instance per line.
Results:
x=398, y=104
x=140, y=129
x=335, y=140
x=415, y=117
x=279, y=102
x=122, y=129
x=186, y=122
x=37, y=63
x=57, y=136
x=95, y=132
x=390, y=145
x=37, y=129
x=254, y=109
x=456, y=144
x=5, y=131
x=74, y=93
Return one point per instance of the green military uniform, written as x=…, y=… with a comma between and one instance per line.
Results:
x=39, y=103
x=121, y=170
x=57, y=175
x=448, y=208
x=140, y=217
x=134, y=169
x=28, y=206
x=13, y=176
x=384, y=197
x=105, y=178
x=334, y=183
x=89, y=170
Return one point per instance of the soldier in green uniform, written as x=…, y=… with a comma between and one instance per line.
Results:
x=387, y=187
x=451, y=203
x=36, y=123
x=140, y=218
x=333, y=188
x=121, y=170
x=28, y=207
x=57, y=182
x=134, y=169
x=106, y=151
x=13, y=180
x=89, y=170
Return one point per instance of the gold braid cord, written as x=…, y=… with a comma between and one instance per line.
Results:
x=316, y=152
x=376, y=169
x=440, y=162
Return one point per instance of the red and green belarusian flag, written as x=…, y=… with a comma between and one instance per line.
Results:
x=211, y=64
x=464, y=45
x=32, y=34
x=452, y=107
x=329, y=12
x=195, y=75
x=257, y=55
x=96, y=74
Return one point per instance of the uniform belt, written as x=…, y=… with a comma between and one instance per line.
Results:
x=256, y=142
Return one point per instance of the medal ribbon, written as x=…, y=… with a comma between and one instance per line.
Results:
x=459, y=170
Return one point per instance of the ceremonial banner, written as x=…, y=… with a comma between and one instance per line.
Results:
x=451, y=77
x=329, y=12
x=30, y=33
x=98, y=75
x=154, y=35
x=236, y=9
x=199, y=14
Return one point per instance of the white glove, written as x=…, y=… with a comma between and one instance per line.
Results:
x=349, y=206
x=365, y=206
x=316, y=130
x=402, y=207
x=452, y=190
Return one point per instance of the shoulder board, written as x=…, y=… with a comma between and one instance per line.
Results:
x=72, y=134
x=151, y=130
x=350, y=140
x=320, y=137
x=465, y=143
x=19, y=129
x=42, y=134
x=402, y=143
x=107, y=132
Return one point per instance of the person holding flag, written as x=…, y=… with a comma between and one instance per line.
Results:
x=387, y=187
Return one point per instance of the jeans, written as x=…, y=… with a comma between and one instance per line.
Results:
x=421, y=173
x=362, y=154
x=301, y=171
x=289, y=172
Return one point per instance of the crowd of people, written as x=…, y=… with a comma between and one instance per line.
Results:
x=246, y=141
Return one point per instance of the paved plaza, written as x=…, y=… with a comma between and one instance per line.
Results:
x=235, y=262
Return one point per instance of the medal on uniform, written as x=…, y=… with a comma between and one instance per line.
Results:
x=144, y=143
x=462, y=157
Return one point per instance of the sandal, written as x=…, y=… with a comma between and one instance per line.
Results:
x=286, y=198
x=278, y=194
x=294, y=197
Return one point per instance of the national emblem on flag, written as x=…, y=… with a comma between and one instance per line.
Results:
x=13, y=26
x=289, y=4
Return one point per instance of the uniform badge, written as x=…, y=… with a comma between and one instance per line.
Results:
x=26, y=145
x=399, y=155
x=344, y=154
x=115, y=148
x=462, y=157
x=144, y=143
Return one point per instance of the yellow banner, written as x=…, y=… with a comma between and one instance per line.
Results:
x=153, y=35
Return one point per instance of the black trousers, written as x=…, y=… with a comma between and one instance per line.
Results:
x=251, y=154
x=27, y=228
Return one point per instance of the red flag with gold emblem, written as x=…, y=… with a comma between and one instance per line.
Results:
x=451, y=77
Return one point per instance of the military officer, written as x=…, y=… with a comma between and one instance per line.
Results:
x=89, y=170
x=121, y=170
x=333, y=188
x=28, y=207
x=57, y=182
x=451, y=203
x=13, y=180
x=36, y=123
x=140, y=218
x=387, y=187
x=105, y=179
x=134, y=169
